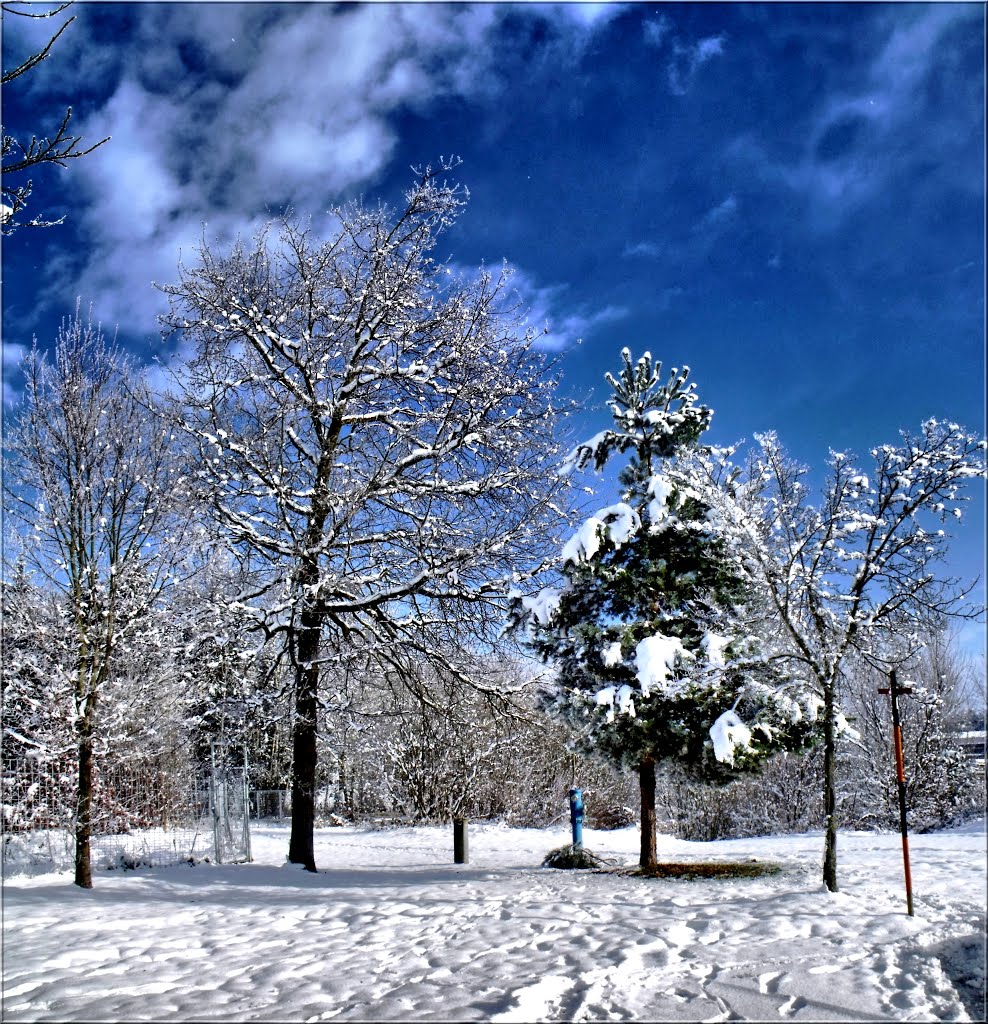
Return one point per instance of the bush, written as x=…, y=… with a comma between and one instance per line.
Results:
x=571, y=856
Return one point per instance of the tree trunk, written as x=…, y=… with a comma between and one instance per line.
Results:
x=830, y=786
x=84, y=802
x=646, y=782
x=304, y=762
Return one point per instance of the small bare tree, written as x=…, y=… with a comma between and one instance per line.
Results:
x=943, y=785
x=91, y=485
x=373, y=438
x=56, y=149
x=860, y=573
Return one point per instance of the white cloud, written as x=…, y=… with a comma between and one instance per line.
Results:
x=688, y=58
x=232, y=115
x=650, y=250
x=13, y=382
x=906, y=56
x=656, y=30
x=591, y=15
x=721, y=213
x=550, y=309
x=145, y=191
x=139, y=217
x=684, y=58
x=712, y=46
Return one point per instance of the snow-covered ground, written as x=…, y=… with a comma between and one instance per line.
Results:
x=391, y=930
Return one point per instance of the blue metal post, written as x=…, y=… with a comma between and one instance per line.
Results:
x=576, y=816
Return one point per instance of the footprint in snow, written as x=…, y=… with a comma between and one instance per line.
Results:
x=768, y=984
x=534, y=1002
x=791, y=1006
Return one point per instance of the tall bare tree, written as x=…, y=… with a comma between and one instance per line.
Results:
x=90, y=482
x=19, y=156
x=373, y=438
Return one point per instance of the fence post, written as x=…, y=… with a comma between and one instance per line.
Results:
x=893, y=690
x=245, y=798
x=217, y=795
x=460, y=851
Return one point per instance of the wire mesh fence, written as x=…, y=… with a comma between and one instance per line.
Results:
x=230, y=805
x=270, y=803
x=148, y=810
x=145, y=812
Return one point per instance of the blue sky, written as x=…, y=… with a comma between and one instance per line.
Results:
x=789, y=198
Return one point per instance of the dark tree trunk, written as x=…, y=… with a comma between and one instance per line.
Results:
x=646, y=782
x=304, y=762
x=84, y=803
x=830, y=787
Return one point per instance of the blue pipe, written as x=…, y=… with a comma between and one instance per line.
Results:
x=576, y=816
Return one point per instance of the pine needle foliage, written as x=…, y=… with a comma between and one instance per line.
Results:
x=656, y=634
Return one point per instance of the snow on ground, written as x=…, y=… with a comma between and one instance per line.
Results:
x=390, y=929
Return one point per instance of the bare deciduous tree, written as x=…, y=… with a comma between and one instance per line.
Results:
x=373, y=438
x=19, y=156
x=90, y=483
x=860, y=573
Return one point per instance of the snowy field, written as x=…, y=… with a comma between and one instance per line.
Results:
x=391, y=930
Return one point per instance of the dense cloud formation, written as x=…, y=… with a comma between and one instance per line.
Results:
x=233, y=115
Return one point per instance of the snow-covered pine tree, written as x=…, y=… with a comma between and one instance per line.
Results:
x=652, y=633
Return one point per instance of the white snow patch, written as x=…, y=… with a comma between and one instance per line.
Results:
x=655, y=658
x=660, y=490
x=404, y=933
x=728, y=733
x=584, y=544
x=618, y=523
x=542, y=607
x=582, y=454
x=612, y=654
x=617, y=700
x=713, y=646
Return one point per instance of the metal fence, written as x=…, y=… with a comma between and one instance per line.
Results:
x=145, y=812
x=229, y=805
x=270, y=803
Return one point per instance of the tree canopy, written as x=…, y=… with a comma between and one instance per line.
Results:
x=655, y=631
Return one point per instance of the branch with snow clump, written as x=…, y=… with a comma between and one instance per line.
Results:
x=616, y=523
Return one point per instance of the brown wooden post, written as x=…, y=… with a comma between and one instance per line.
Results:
x=646, y=785
x=893, y=690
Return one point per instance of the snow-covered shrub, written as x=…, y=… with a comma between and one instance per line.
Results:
x=783, y=797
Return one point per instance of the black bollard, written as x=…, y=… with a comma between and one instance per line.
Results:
x=460, y=852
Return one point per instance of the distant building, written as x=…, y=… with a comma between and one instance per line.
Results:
x=971, y=743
